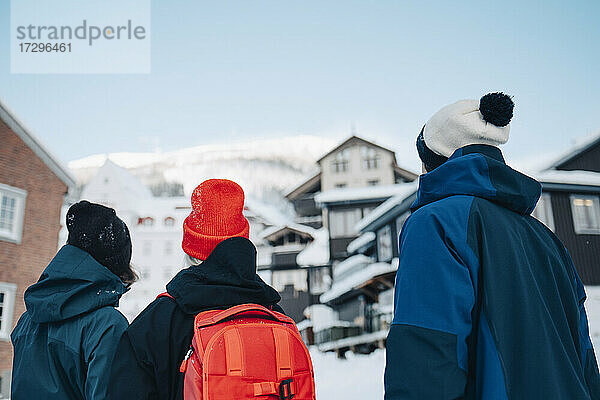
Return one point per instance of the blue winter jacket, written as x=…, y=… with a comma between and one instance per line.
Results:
x=488, y=304
x=64, y=343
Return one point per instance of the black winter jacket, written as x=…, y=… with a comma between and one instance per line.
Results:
x=148, y=357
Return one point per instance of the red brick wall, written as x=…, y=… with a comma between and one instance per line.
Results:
x=23, y=263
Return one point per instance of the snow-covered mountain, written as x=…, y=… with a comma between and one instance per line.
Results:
x=265, y=168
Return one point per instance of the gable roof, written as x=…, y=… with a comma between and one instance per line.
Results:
x=354, y=138
x=35, y=145
x=404, y=173
x=276, y=230
x=312, y=183
x=576, y=150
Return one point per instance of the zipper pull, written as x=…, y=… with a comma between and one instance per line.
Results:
x=183, y=366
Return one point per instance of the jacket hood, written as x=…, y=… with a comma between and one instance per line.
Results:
x=480, y=171
x=227, y=277
x=74, y=283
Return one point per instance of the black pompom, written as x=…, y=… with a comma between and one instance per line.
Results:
x=496, y=108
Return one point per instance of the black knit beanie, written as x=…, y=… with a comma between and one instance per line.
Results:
x=97, y=230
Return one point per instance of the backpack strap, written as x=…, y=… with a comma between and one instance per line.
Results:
x=283, y=353
x=239, y=309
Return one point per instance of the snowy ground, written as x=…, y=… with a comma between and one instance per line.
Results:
x=357, y=377
x=361, y=377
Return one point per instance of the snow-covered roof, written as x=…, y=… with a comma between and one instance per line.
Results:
x=580, y=146
x=361, y=241
x=354, y=281
x=308, y=184
x=293, y=226
x=356, y=139
x=405, y=191
x=317, y=252
x=350, y=264
x=361, y=193
x=304, y=324
x=577, y=177
x=35, y=145
x=117, y=187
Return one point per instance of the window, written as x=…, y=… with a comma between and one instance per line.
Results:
x=341, y=161
x=169, y=221
x=384, y=244
x=586, y=214
x=295, y=277
x=370, y=157
x=12, y=210
x=342, y=222
x=168, y=248
x=373, y=182
x=7, y=302
x=147, y=221
x=340, y=185
x=543, y=211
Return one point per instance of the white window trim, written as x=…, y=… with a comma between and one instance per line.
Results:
x=21, y=196
x=580, y=230
x=9, y=290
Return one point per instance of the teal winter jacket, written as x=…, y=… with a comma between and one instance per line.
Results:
x=64, y=343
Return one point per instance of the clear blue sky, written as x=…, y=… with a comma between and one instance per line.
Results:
x=236, y=70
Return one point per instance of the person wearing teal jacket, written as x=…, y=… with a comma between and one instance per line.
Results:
x=65, y=342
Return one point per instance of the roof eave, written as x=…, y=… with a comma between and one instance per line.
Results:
x=35, y=145
x=354, y=137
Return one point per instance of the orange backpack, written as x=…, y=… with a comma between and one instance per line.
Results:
x=246, y=352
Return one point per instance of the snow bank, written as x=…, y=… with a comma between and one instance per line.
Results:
x=358, y=377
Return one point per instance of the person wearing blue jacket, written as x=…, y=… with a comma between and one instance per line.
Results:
x=488, y=304
x=65, y=342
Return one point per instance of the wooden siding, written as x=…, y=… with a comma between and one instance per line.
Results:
x=584, y=249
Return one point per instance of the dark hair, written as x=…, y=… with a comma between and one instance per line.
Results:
x=128, y=275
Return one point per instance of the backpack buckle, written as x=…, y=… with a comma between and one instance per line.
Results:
x=285, y=390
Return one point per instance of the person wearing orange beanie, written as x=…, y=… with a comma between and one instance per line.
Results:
x=217, y=206
x=221, y=273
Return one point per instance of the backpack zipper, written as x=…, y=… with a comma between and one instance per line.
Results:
x=183, y=366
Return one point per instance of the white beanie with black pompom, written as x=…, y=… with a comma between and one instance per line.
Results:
x=469, y=122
